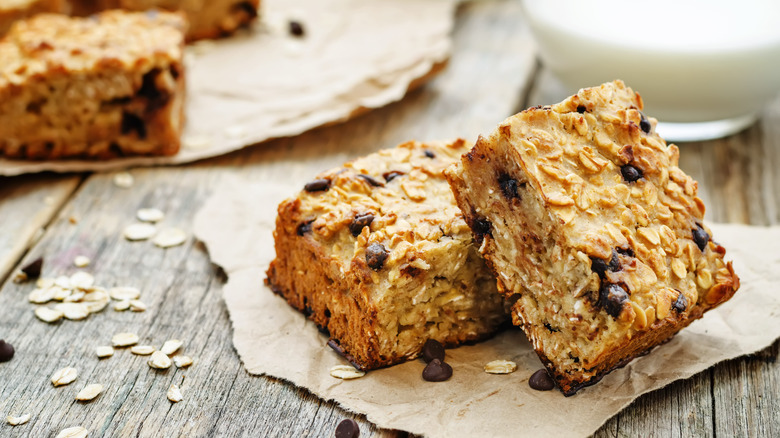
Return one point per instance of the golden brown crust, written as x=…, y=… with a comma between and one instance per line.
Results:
x=97, y=87
x=377, y=254
x=13, y=11
x=586, y=219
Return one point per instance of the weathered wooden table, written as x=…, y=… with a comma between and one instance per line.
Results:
x=493, y=73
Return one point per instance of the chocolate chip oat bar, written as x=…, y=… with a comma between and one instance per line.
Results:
x=207, y=19
x=99, y=87
x=377, y=254
x=592, y=230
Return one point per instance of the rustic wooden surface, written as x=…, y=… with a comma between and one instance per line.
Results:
x=492, y=74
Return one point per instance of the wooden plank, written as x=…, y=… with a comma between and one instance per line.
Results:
x=183, y=290
x=27, y=204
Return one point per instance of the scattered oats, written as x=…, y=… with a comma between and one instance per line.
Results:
x=196, y=142
x=235, y=131
x=60, y=293
x=73, y=432
x=346, y=372
x=142, y=350
x=64, y=376
x=63, y=281
x=74, y=297
x=82, y=280
x=137, y=306
x=81, y=261
x=20, y=277
x=104, y=351
x=182, y=361
x=150, y=215
x=160, y=361
x=124, y=339
x=123, y=180
x=17, y=421
x=121, y=306
x=96, y=295
x=174, y=394
x=124, y=293
x=47, y=314
x=95, y=306
x=89, y=392
x=41, y=296
x=43, y=283
x=169, y=237
x=73, y=311
x=137, y=232
x=171, y=346
x=500, y=367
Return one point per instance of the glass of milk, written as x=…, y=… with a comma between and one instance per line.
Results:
x=705, y=69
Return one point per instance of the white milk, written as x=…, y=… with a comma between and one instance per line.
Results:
x=692, y=61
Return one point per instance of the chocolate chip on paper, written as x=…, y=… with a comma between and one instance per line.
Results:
x=541, y=381
x=432, y=350
x=437, y=371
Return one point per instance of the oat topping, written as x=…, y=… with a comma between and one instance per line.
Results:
x=160, y=361
x=64, y=376
x=18, y=421
x=124, y=293
x=500, y=367
x=104, y=351
x=49, y=315
x=170, y=237
x=346, y=372
x=136, y=232
x=142, y=350
x=182, y=361
x=124, y=339
x=150, y=215
x=89, y=392
x=171, y=346
x=137, y=306
x=174, y=394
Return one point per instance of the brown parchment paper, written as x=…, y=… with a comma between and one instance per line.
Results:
x=265, y=83
x=274, y=340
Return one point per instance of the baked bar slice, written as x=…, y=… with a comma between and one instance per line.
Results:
x=207, y=19
x=13, y=10
x=100, y=87
x=592, y=230
x=377, y=254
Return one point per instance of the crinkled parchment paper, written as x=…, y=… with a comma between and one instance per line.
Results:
x=355, y=55
x=236, y=225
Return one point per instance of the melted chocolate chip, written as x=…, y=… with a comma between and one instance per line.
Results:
x=508, y=186
x=361, y=220
x=432, y=350
x=296, y=28
x=33, y=269
x=625, y=251
x=611, y=298
x=130, y=123
x=347, y=429
x=389, y=176
x=700, y=237
x=581, y=109
x=437, y=371
x=630, y=173
x=541, y=381
x=371, y=180
x=644, y=124
x=680, y=304
x=482, y=226
x=6, y=351
x=376, y=254
x=318, y=185
x=600, y=267
x=429, y=154
x=148, y=85
x=304, y=228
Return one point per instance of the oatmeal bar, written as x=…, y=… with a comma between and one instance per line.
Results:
x=106, y=86
x=13, y=10
x=210, y=19
x=377, y=254
x=588, y=223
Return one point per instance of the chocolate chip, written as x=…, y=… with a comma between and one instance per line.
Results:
x=437, y=371
x=371, y=180
x=508, y=186
x=612, y=297
x=130, y=123
x=644, y=124
x=304, y=228
x=625, y=251
x=700, y=237
x=149, y=88
x=581, y=109
x=33, y=269
x=296, y=28
x=432, y=350
x=318, y=185
x=681, y=303
x=482, y=226
x=630, y=173
x=429, y=154
x=376, y=254
x=361, y=220
x=601, y=267
x=6, y=351
x=391, y=175
x=541, y=381
x=347, y=429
